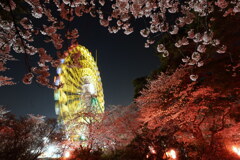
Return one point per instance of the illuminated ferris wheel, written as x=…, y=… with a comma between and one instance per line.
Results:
x=81, y=93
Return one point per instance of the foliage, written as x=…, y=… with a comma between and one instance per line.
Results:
x=24, y=138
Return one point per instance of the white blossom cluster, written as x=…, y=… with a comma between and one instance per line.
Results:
x=20, y=35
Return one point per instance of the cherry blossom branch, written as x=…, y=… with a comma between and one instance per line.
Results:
x=22, y=41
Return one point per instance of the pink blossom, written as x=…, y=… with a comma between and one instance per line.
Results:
x=207, y=37
x=185, y=41
x=145, y=32
x=160, y=48
x=191, y=62
x=215, y=42
x=50, y=30
x=201, y=48
x=236, y=8
x=154, y=28
x=37, y=12
x=4, y=48
x=194, y=77
x=2, y=67
x=27, y=79
x=200, y=63
x=6, y=81
x=26, y=23
x=104, y=22
x=186, y=60
x=72, y=34
x=191, y=34
x=78, y=11
x=146, y=45
x=197, y=38
x=196, y=56
x=228, y=12
x=222, y=49
x=128, y=31
x=221, y=4
x=30, y=49
x=163, y=27
x=165, y=53
x=102, y=2
x=175, y=30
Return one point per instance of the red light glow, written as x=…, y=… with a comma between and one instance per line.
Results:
x=236, y=150
x=171, y=154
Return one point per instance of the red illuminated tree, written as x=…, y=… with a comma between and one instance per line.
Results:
x=202, y=115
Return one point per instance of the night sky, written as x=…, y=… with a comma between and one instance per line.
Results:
x=121, y=59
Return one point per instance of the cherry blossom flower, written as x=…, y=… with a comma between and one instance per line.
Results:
x=49, y=30
x=128, y=31
x=197, y=38
x=36, y=119
x=175, y=30
x=26, y=23
x=160, y=48
x=5, y=48
x=27, y=79
x=146, y=45
x=236, y=8
x=193, y=77
x=191, y=34
x=183, y=42
x=186, y=60
x=154, y=28
x=165, y=53
x=228, y=12
x=207, y=37
x=200, y=64
x=222, y=50
x=2, y=67
x=215, y=42
x=192, y=62
x=6, y=81
x=145, y=32
x=178, y=44
x=102, y=2
x=221, y=4
x=37, y=12
x=196, y=56
x=104, y=22
x=30, y=49
x=201, y=48
x=72, y=34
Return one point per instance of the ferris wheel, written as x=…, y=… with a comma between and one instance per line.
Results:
x=81, y=92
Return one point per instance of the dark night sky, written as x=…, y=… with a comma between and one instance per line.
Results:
x=121, y=59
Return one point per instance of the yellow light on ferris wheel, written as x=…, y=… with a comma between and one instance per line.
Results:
x=82, y=89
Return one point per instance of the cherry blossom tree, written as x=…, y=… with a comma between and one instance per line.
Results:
x=24, y=138
x=198, y=114
x=117, y=128
x=113, y=129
